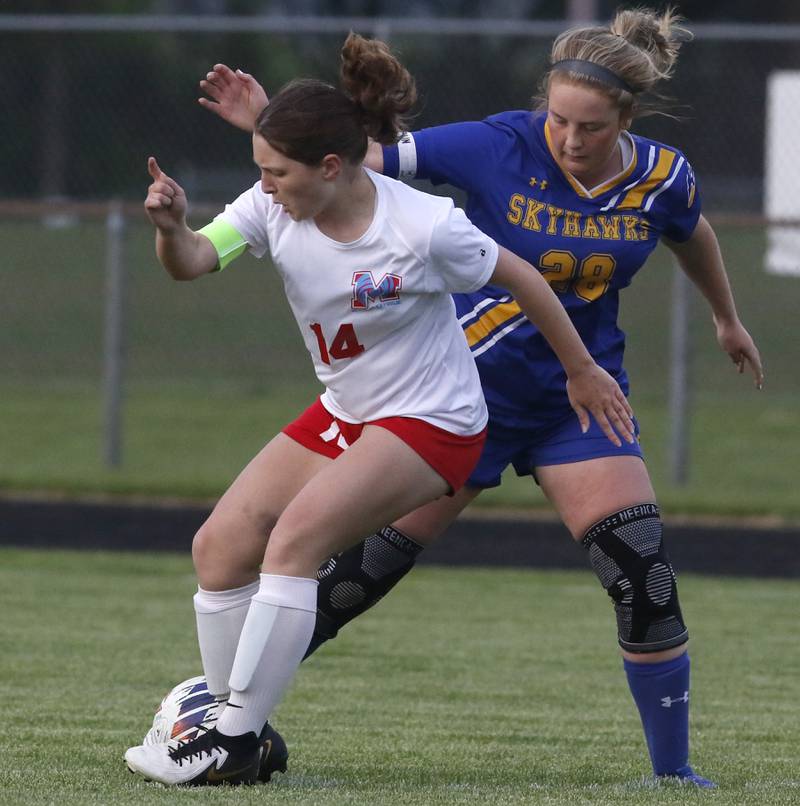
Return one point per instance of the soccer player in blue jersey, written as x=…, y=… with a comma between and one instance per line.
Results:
x=572, y=190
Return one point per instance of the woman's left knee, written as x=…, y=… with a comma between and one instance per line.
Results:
x=627, y=552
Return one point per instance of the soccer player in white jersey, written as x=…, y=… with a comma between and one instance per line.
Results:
x=368, y=265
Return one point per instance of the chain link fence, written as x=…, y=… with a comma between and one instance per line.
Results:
x=88, y=99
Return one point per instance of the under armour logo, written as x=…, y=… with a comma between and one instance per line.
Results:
x=541, y=182
x=483, y=253
x=667, y=702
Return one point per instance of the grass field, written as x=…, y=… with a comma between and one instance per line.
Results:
x=214, y=368
x=463, y=687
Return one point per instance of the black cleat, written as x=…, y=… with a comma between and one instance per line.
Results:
x=274, y=753
x=208, y=760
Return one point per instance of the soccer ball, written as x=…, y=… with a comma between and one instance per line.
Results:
x=182, y=713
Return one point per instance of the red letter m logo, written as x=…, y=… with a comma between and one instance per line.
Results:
x=366, y=292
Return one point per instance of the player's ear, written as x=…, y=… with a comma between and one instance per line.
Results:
x=331, y=167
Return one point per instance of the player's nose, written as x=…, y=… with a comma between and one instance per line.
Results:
x=573, y=139
x=267, y=185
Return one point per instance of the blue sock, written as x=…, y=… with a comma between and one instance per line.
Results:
x=661, y=692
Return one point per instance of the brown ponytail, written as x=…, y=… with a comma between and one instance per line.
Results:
x=308, y=119
x=379, y=85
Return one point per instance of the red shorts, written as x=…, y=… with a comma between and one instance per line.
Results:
x=452, y=456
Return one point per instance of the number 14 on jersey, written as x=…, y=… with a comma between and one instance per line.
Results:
x=345, y=343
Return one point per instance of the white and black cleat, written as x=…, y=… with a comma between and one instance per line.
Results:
x=210, y=759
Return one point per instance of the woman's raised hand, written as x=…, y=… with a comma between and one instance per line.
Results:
x=233, y=95
x=166, y=202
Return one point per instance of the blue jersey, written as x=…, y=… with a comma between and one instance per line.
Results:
x=588, y=244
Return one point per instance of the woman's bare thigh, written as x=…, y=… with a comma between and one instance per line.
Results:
x=229, y=547
x=585, y=492
x=375, y=481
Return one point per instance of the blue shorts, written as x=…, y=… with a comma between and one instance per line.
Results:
x=558, y=444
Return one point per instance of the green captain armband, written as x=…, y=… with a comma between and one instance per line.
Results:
x=226, y=240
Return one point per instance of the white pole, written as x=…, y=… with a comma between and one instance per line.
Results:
x=114, y=337
x=679, y=383
x=782, y=174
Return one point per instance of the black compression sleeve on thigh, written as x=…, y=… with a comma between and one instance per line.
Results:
x=627, y=553
x=358, y=578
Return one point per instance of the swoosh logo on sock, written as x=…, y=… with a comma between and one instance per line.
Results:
x=267, y=749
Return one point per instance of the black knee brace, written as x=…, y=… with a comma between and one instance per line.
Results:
x=358, y=578
x=627, y=553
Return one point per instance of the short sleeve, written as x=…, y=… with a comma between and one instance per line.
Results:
x=681, y=203
x=248, y=216
x=460, y=154
x=462, y=257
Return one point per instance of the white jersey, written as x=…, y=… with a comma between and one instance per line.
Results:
x=376, y=313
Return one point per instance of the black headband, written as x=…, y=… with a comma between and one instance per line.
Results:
x=594, y=70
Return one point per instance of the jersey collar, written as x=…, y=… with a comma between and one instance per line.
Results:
x=599, y=190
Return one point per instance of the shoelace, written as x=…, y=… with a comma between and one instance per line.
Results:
x=184, y=751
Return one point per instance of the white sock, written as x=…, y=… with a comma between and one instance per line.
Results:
x=274, y=639
x=220, y=618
